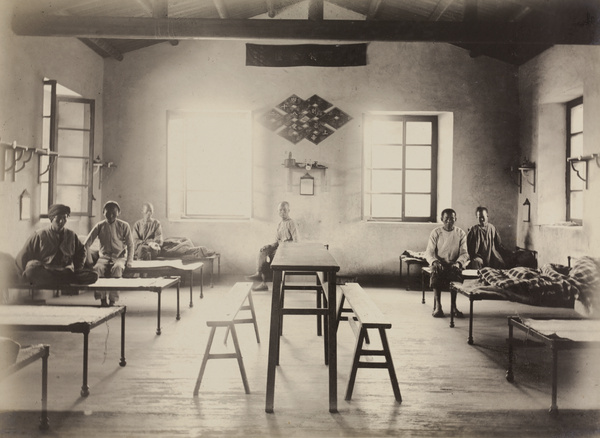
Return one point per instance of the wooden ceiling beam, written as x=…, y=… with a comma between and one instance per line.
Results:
x=555, y=32
x=160, y=8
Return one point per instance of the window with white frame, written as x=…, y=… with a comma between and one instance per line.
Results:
x=400, y=168
x=209, y=165
x=576, y=173
x=67, y=129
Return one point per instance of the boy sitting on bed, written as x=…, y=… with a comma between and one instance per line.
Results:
x=286, y=232
x=116, y=249
x=447, y=255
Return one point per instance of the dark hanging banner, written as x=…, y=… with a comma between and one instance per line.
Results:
x=316, y=55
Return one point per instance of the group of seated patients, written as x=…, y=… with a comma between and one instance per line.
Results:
x=55, y=255
x=450, y=250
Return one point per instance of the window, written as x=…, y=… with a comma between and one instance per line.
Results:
x=575, y=177
x=209, y=165
x=68, y=129
x=400, y=168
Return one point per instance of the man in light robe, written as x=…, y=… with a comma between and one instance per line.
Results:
x=147, y=235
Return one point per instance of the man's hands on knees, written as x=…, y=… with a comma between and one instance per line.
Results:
x=436, y=267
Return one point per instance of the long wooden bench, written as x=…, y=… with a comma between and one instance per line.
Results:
x=367, y=316
x=237, y=299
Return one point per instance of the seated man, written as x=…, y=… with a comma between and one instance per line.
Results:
x=116, y=249
x=286, y=232
x=484, y=244
x=447, y=255
x=147, y=235
x=54, y=255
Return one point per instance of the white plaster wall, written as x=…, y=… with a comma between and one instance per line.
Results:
x=24, y=62
x=201, y=75
x=546, y=83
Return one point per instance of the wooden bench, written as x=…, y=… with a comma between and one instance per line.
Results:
x=226, y=316
x=367, y=316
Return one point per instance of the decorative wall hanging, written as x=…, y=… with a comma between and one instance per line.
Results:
x=318, y=55
x=314, y=119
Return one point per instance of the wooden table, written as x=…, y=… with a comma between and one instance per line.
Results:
x=73, y=319
x=310, y=258
x=159, y=268
x=141, y=284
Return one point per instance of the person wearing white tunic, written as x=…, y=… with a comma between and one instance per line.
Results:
x=447, y=255
x=147, y=235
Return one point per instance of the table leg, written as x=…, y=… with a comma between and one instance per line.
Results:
x=554, y=406
x=123, y=362
x=44, y=422
x=85, y=389
x=191, y=288
x=178, y=317
x=470, y=340
x=158, y=332
x=273, y=342
x=332, y=344
x=509, y=372
x=452, y=307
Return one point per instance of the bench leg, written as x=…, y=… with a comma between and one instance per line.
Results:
x=238, y=354
x=390, y=364
x=470, y=340
x=204, y=360
x=355, y=363
x=253, y=313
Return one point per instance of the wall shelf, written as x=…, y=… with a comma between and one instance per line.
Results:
x=583, y=159
x=20, y=156
x=303, y=166
x=525, y=170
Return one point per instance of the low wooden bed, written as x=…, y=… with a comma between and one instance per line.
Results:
x=562, y=287
x=558, y=335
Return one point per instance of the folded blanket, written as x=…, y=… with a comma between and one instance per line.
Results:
x=419, y=255
x=182, y=247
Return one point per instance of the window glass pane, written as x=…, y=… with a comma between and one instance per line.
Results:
x=417, y=205
x=576, y=145
x=47, y=100
x=418, y=181
x=73, y=143
x=418, y=157
x=71, y=171
x=387, y=181
x=44, y=198
x=386, y=131
x=74, y=197
x=46, y=133
x=386, y=206
x=576, y=206
x=418, y=133
x=577, y=119
x=73, y=115
x=387, y=156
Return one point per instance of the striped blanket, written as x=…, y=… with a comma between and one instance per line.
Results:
x=551, y=286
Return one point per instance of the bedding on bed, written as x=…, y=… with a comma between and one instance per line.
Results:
x=551, y=286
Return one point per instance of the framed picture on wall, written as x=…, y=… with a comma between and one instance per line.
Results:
x=307, y=185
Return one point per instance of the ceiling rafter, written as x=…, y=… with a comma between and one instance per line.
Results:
x=221, y=8
x=271, y=11
x=374, y=7
x=103, y=48
x=439, y=9
x=315, y=10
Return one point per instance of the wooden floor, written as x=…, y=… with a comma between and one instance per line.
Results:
x=449, y=388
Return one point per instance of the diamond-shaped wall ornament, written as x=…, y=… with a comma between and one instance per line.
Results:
x=314, y=119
